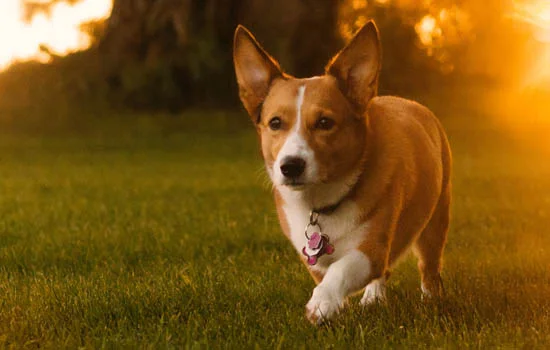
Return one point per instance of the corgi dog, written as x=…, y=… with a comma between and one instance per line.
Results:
x=357, y=178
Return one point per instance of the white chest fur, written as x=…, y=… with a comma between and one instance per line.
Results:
x=342, y=227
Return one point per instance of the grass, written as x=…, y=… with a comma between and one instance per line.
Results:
x=162, y=234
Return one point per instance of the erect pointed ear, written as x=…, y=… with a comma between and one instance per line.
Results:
x=357, y=66
x=255, y=71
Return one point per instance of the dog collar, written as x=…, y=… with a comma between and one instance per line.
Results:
x=329, y=209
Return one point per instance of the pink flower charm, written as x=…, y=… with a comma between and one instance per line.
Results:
x=315, y=241
x=317, y=246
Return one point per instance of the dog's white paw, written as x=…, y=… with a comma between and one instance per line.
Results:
x=322, y=306
x=375, y=292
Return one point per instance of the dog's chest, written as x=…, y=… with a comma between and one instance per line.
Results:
x=342, y=227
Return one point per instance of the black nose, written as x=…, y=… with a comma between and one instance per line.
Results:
x=293, y=167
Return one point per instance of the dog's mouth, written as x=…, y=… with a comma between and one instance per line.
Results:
x=295, y=184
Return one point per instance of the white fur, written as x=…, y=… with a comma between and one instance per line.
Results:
x=296, y=146
x=375, y=292
x=313, y=78
x=345, y=276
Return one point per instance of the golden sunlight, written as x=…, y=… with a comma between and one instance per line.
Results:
x=528, y=103
x=58, y=30
x=427, y=30
x=537, y=15
x=436, y=28
x=446, y=27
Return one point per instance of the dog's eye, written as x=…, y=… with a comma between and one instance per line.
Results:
x=324, y=123
x=275, y=123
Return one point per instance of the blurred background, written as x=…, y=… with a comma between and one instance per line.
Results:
x=65, y=60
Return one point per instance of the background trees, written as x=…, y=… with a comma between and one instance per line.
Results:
x=176, y=54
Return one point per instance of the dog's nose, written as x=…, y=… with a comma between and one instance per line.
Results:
x=293, y=167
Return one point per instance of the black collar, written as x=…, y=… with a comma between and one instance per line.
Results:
x=331, y=208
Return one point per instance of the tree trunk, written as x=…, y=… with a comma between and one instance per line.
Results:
x=159, y=52
x=177, y=53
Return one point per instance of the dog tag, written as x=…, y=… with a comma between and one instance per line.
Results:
x=317, y=243
x=317, y=246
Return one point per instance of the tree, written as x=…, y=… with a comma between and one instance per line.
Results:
x=178, y=52
x=168, y=52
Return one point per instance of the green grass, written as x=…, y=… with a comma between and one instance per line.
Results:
x=162, y=234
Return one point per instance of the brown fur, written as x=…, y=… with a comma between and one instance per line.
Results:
x=409, y=193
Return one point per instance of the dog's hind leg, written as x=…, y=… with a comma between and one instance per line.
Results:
x=429, y=246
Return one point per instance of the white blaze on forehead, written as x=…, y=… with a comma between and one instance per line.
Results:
x=299, y=103
x=313, y=78
x=296, y=146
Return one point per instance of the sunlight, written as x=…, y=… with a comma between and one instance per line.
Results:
x=445, y=28
x=57, y=32
x=436, y=28
x=359, y=4
x=529, y=103
x=537, y=15
x=427, y=30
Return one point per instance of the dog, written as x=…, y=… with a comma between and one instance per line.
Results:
x=358, y=179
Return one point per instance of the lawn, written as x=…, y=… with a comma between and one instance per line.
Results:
x=160, y=232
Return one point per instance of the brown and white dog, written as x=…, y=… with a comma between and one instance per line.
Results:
x=367, y=177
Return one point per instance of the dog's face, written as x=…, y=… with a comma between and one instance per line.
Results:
x=309, y=132
x=312, y=130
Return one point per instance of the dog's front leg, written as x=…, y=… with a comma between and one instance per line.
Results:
x=343, y=277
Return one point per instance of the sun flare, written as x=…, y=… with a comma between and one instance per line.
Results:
x=58, y=30
x=536, y=14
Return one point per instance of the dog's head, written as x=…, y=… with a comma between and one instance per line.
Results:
x=312, y=131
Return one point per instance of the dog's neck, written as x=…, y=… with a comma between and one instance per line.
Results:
x=322, y=196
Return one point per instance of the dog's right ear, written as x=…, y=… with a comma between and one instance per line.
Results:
x=255, y=71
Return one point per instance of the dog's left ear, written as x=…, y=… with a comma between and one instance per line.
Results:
x=357, y=66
